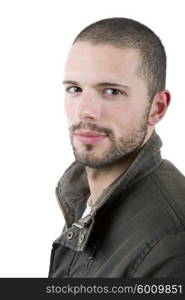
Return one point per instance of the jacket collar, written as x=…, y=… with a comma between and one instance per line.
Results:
x=72, y=190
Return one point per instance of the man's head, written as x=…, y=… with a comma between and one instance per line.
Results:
x=115, y=90
x=126, y=33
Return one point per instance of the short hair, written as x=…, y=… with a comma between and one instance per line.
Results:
x=128, y=33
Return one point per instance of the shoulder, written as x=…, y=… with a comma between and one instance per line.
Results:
x=169, y=183
x=166, y=258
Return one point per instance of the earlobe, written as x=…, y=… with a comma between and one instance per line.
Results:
x=159, y=107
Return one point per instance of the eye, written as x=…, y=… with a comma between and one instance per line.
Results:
x=73, y=89
x=113, y=92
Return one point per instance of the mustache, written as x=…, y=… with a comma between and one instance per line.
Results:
x=90, y=126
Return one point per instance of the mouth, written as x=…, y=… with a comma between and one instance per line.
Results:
x=89, y=137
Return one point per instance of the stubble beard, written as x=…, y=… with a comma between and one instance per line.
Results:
x=121, y=149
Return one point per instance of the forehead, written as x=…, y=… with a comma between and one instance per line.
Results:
x=87, y=60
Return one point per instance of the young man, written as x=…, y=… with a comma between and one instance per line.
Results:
x=124, y=206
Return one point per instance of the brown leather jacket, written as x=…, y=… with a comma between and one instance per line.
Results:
x=136, y=228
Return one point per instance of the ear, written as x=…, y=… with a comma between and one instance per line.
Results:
x=159, y=107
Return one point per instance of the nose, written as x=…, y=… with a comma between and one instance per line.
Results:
x=89, y=105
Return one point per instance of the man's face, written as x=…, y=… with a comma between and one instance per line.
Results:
x=106, y=103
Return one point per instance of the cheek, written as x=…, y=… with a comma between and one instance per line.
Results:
x=123, y=120
x=69, y=110
x=121, y=114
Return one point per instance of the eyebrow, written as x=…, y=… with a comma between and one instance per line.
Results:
x=99, y=84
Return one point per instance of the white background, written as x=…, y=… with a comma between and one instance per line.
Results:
x=35, y=37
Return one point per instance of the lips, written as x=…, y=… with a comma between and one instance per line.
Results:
x=89, y=137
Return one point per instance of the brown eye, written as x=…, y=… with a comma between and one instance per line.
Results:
x=73, y=89
x=113, y=92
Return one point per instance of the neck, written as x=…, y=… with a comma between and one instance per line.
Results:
x=99, y=179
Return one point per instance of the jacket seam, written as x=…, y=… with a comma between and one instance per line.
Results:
x=70, y=266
